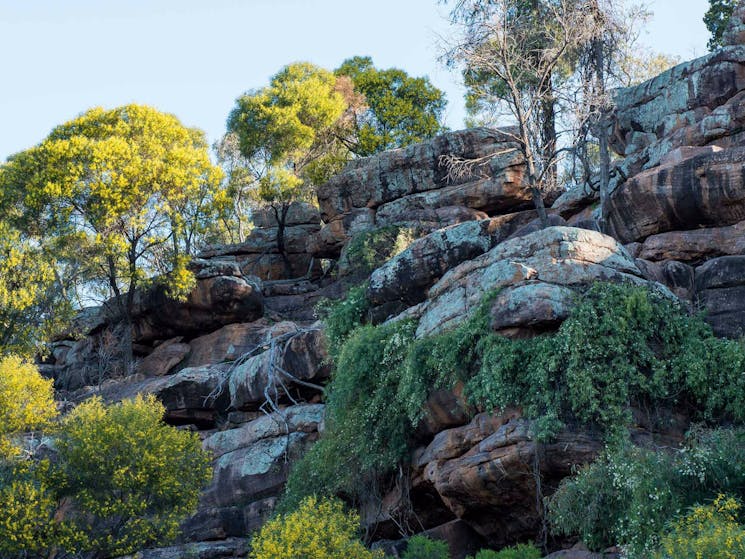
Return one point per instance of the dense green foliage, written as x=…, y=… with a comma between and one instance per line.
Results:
x=343, y=317
x=371, y=249
x=421, y=547
x=519, y=551
x=630, y=494
x=368, y=432
x=317, y=529
x=716, y=19
x=121, y=480
x=710, y=531
x=399, y=109
x=622, y=346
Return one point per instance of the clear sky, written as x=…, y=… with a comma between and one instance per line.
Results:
x=194, y=57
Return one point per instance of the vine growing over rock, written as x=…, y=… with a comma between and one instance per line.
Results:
x=621, y=347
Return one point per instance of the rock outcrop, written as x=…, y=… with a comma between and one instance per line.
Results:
x=412, y=187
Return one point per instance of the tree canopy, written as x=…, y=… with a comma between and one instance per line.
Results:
x=123, y=192
x=399, y=109
x=716, y=20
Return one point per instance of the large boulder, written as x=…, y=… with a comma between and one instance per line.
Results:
x=537, y=274
x=413, y=187
x=214, y=302
x=696, y=245
x=703, y=190
x=251, y=464
x=406, y=277
x=485, y=472
x=720, y=292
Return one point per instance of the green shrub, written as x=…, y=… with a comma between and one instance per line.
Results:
x=519, y=551
x=343, y=317
x=711, y=531
x=131, y=477
x=371, y=249
x=421, y=547
x=367, y=431
x=630, y=494
x=318, y=529
x=622, y=346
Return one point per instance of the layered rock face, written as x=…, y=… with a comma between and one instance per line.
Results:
x=242, y=359
x=678, y=194
x=259, y=254
x=412, y=187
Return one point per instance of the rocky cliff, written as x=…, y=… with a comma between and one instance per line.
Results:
x=243, y=359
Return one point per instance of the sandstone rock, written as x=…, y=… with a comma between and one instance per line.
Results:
x=232, y=547
x=204, y=268
x=298, y=213
x=264, y=241
x=163, y=358
x=668, y=102
x=676, y=276
x=696, y=245
x=533, y=305
x=231, y=341
x=486, y=476
x=213, y=303
x=301, y=355
x=406, y=277
x=328, y=242
x=425, y=218
x=251, y=464
x=574, y=201
x=707, y=189
x=561, y=256
x=373, y=181
x=720, y=291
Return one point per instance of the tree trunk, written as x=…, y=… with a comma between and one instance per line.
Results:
x=281, y=217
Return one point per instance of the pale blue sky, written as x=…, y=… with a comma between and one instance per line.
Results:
x=193, y=58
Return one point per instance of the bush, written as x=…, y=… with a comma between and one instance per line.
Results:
x=520, y=551
x=421, y=547
x=26, y=401
x=621, y=346
x=341, y=318
x=28, y=508
x=367, y=431
x=710, y=531
x=630, y=494
x=131, y=477
x=318, y=529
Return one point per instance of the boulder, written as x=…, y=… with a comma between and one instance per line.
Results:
x=329, y=241
x=735, y=32
x=678, y=277
x=163, y=358
x=251, y=464
x=559, y=256
x=407, y=276
x=232, y=341
x=696, y=245
x=704, y=190
x=228, y=548
x=485, y=473
x=214, y=302
x=298, y=213
x=392, y=175
x=720, y=293
x=298, y=355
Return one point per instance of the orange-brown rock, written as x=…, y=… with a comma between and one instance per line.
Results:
x=696, y=245
x=704, y=190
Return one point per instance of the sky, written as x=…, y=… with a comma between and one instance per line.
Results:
x=193, y=58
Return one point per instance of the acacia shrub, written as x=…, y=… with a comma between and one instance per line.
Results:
x=342, y=317
x=371, y=249
x=710, y=531
x=26, y=401
x=132, y=478
x=317, y=529
x=519, y=551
